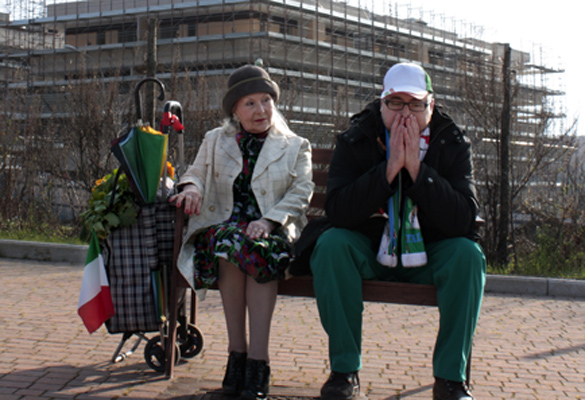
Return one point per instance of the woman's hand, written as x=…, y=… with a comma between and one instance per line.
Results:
x=191, y=197
x=260, y=228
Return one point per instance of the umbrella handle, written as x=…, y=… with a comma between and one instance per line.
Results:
x=137, y=94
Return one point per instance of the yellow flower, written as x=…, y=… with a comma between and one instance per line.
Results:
x=98, y=183
x=170, y=170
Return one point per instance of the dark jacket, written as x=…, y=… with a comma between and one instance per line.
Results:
x=444, y=190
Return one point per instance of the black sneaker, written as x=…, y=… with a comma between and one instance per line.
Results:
x=233, y=381
x=341, y=386
x=450, y=390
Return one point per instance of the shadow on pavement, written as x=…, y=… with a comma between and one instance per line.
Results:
x=91, y=382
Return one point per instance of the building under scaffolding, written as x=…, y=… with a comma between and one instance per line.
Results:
x=329, y=58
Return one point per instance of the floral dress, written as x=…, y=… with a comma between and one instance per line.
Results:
x=265, y=259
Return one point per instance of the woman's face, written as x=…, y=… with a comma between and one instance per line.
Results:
x=254, y=112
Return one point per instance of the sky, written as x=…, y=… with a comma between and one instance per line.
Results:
x=555, y=27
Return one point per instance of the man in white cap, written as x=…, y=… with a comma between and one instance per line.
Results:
x=402, y=202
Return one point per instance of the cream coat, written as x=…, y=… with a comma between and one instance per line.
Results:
x=282, y=183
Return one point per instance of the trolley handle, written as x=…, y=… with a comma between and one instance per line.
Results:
x=172, y=116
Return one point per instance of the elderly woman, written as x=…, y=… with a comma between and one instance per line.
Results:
x=246, y=193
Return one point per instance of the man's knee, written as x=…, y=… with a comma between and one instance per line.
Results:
x=463, y=255
x=466, y=248
x=329, y=242
x=332, y=238
x=339, y=249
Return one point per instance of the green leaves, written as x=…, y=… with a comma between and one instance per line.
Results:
x=102, y=214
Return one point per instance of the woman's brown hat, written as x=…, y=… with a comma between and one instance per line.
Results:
x=246, y=80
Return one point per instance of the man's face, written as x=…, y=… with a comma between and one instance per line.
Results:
x=389, y=112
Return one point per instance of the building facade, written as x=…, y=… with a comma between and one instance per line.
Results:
x=329, y=58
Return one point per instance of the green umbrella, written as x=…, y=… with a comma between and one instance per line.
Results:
x=142, y=153
x=158, y=285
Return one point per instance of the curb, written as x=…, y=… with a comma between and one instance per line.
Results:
x=55, y=252
x=535, y=286
x=502, y=284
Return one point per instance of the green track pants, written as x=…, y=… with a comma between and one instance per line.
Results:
x=343, y=258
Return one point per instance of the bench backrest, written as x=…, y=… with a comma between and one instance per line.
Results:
x=321, y=161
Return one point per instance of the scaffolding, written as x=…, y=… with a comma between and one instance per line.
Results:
x=328, y=56
x=68, y=68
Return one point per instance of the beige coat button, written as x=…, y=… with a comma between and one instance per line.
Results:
x=211, y=208
x=263, y=192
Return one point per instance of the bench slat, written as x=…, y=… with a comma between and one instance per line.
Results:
x=320, y=179
x=374, y=291
x=318, y=200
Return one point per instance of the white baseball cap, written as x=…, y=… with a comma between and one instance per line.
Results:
x=407, y=78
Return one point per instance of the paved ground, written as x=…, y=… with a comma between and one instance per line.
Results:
x=526, y=347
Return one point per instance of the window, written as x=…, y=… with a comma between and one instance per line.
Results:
x=192, y=28
x=286, y=26
x=104, y=34
x=168, y=29
x=436, y=57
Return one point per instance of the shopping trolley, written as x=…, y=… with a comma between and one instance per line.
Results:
x=139, y=257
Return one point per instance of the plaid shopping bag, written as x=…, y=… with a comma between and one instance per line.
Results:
x=133, y=253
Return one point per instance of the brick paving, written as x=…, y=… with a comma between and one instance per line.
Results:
x=526, y=347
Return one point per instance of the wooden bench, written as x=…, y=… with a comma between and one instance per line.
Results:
x=373, y=291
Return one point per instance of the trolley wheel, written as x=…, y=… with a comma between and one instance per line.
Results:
x=193, y=343
x=155, y=356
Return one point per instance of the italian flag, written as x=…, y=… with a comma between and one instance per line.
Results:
x=95, y=301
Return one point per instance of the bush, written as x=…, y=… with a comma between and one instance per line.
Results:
x=34, y=230
x=557, y=251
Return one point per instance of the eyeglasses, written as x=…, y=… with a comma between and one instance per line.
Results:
x=398, y=105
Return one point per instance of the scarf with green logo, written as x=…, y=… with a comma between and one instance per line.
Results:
x=406, y=225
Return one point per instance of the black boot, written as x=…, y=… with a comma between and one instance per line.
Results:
x=341, y=386
x=257, y=380
x=233, y=381
x=450, y=390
